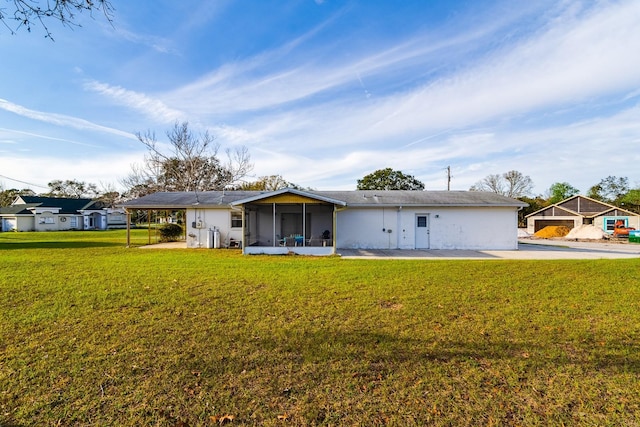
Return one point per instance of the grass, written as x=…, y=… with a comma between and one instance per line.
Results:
x=93, y=333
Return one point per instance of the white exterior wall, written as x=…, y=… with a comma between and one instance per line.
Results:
x=481, y=228
x=205, y=219
x=46, y=221
x=70, y=222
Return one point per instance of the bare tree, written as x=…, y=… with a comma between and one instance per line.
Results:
x=28, y=12
x=518, y=185
x=491, y=183
x=511, y=184
x=71, y=188
x=189, y=162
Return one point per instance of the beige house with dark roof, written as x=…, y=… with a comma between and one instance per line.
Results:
x=580, y=210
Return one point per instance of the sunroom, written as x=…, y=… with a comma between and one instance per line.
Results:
x=289, y=221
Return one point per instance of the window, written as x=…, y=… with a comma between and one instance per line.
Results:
x=236, y=220
x=47, y=220
x=610, y=222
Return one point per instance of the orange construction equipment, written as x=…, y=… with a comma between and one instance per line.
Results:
x=619, y=230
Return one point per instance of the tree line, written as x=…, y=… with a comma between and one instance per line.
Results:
x=189, y=161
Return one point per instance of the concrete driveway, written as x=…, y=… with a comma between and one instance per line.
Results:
x=527, y=249
x=540, y=249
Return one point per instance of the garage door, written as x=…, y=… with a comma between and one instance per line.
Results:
x=9, y=224
x=542, y=223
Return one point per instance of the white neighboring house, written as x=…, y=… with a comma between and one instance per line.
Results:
x=318, y=222
x=35, y=213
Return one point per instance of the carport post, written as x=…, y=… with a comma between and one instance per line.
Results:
x=128, y=227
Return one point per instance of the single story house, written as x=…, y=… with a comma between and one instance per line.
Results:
x=318, y=222
x=580, y=210
x=35, y=213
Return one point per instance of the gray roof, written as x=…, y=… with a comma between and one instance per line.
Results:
x=22, y=209
x=358, y=198
x=421, y=198
x=189, y=199
x=23, y=204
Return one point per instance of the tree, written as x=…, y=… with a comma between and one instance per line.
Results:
x=490, y=183
x=535, y=204
x=25, y=13
x=109, y=195
x=511, y=184
x=631, y=200
x=191, y=163
x=610, y=190
x=8, y=196
x=71, y=189
x=268, y=183
x=388, y=179
x=560, y=191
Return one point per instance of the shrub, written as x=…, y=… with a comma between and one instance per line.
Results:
x=170, y=232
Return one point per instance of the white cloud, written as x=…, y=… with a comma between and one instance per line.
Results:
x=159, y=44
x=574, y=60
x=40, y=136
x=43, y=169
x=145, y=104
x=60, y=119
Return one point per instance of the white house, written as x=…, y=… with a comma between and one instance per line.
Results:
x=35, y=213
x=318, y=222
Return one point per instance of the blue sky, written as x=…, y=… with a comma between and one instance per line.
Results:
x=325, y=92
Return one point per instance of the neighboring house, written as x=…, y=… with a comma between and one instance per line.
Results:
x=581, y=210
x=34, y=213
x=317, y=222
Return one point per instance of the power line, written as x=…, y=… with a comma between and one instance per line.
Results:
x=23, y=182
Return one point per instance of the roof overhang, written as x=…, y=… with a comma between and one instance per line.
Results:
x=288, y=195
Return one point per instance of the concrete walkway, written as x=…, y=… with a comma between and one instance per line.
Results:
x=527, y=249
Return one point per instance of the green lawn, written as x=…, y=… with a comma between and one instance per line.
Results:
x=93, y=333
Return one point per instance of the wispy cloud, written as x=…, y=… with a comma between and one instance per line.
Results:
x=60, y=119
x=40, y=136
x=159, y=44
x=575, y=59
x=140, y=102
x=485, y=93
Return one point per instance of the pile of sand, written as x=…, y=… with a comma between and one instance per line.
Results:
x=587, y=232
x=552, y=231
x=523, y=233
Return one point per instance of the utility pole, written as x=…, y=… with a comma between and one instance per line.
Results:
x=448, y=178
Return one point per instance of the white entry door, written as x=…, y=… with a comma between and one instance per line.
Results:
x=422, y=231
